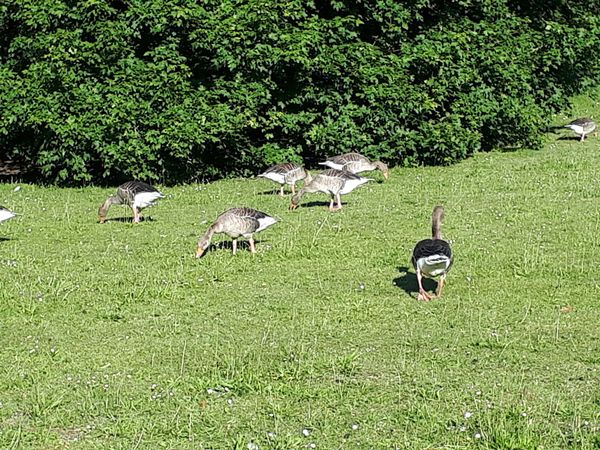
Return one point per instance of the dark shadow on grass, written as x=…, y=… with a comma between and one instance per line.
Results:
x=272, y=192
x=314, y=204
x=2, y=239
x=407, y=281
x=569, y=138
x=128, y=219
x=242, y=245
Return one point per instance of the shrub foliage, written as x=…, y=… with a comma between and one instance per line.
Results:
x=184, y=90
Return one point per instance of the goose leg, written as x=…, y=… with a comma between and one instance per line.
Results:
x=423, y=295
x=234, y=245
x=281, y=193
x=293, y=189
x=339, y=200
x=582, y=137
x=440, y=286
x=331, y=208
x=251, y=242
x=136, y=214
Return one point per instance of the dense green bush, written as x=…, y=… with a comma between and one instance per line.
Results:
x=184, y=90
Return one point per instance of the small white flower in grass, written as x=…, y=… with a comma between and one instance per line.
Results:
x=312, y=445
x=467, y=415
x=153, y=386
x=252, y=446
x=306, y=432
x=361, y=285
x=477, y=435
x=210, y=391
x=17, y=189
x=270, y=435
x=462, y=428
x=477, y=392
x=355, y=426
x=230, y=401
x=523, y=414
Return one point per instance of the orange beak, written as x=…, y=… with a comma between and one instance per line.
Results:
x=199, y=252
x=293, y=207
x=101, y=219
x=386, y=175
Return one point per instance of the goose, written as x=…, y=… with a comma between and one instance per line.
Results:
x=135, y=194
x=432, y=257
x=6, y=214
x=236, y=222
x=333, y=182
x=286, y=173
x=356, y=163
x=582, y=127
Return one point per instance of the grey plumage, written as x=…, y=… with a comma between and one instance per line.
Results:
x=355, y=163
x=432, y=257
x=333, y=182
x=582, y=127
x=135, y=194
x=286, y=173
x=236, y=222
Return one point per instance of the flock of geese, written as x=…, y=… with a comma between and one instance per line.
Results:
x=431, y=258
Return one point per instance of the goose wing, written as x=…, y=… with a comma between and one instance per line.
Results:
x=249, y=220
x=347, y=157
x=129, y=190
x=433, y=256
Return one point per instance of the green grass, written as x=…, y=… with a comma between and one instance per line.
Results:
x=114, y=336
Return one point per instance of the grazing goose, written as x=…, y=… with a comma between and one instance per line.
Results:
x=236, y=222
x=355, y=163
x=135, y=194
x=6, y=214
x=582, y=127
x=333, y=182
x=432, y=257
x=286, y=173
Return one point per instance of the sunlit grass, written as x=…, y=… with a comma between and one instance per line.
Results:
x=114, y=336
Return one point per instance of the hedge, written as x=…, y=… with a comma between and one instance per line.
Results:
x=177, y=91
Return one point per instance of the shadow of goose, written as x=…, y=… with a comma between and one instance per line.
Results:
x=407, y=281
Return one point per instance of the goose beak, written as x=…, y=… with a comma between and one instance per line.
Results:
x=199, y=252
x=386, y=175
x=293, y=207
x=101, y=219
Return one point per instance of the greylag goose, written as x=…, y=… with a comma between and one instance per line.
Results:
x=286, y=173
x=356, y=163
x=432, y=257
x=333, y=182
x=135, y=194
x=6, y=214
x=582, y=127
x=236, y=222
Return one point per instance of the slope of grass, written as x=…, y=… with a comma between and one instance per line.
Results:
x=114, y=336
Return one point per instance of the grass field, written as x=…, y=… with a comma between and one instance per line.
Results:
x=114, y=336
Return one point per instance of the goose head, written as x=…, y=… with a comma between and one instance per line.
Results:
x=295, y=200
x=113, y=199
x=383, y=167
x=203, y=244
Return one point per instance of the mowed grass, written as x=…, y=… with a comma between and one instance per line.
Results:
x=114, y=336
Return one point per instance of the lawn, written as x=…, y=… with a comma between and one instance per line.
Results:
x=115, y=336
